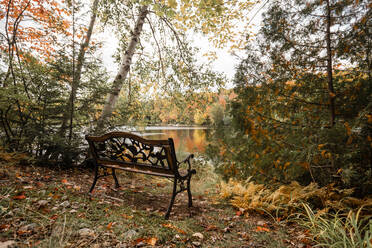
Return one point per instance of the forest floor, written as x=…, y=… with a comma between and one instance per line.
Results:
x=43, y=207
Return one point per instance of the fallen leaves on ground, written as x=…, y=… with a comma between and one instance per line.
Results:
x=143, y=241
x=262, y=229
x=211, y=228
x=100, y=217
x=19, y=197
x=174, y=228
x=127, y=216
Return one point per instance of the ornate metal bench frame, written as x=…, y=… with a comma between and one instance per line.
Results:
x=129, y=152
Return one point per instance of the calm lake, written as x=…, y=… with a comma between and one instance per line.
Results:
x=186, y=139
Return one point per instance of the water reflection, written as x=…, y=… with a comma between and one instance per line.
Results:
x=186, y=139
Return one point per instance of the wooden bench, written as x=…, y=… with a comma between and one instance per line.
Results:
x=129, y=152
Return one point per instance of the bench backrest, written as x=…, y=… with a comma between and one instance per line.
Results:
x=131, y=149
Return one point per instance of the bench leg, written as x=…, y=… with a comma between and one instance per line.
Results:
x=117, y=185
x=95, y=179
x=172, y=199
x=189, y=191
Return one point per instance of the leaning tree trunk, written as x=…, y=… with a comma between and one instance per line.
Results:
x=69, y=113
x=331, y=91
x=123, y=71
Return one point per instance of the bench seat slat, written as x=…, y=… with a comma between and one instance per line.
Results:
x=136, y=167
x=131, y=169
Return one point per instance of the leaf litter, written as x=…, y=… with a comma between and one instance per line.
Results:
x=45, y=206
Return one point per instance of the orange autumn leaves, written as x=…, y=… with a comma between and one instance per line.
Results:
x=145, y=241
x=262, y=229
x=174, y=228
x=153, y=240
x=20, y=196
x=31, y=25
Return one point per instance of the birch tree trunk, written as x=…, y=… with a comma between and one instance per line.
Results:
x=69, y=113
x=124, y=69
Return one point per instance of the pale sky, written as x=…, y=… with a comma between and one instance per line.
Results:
x=224, y=63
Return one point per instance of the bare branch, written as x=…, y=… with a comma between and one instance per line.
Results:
x=157, y=44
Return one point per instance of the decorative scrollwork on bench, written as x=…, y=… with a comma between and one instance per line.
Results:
x=130, y=150
x=132, y=153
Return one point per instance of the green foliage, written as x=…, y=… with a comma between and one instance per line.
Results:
x=33, y=102
x=338, y=230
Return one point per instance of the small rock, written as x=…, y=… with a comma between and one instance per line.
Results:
x=84, y=232
x=130, y=234
x=64, y=197
x=42, y=203
x=177, y=236
x=198, y=235
x=65, y=204
x=7, y=244
x=196, y=243
x=73, y=211
x=55, y=208
x=75, y=206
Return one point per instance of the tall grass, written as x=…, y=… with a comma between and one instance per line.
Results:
x=337, y=230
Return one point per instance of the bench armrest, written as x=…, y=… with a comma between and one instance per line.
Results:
x=187, y=160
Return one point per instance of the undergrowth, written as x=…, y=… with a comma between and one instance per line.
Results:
x=286, y=200
x=334, y=223
x=339, y=230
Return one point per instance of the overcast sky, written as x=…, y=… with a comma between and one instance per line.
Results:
x=225, y=62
